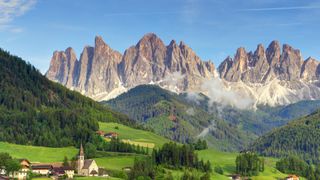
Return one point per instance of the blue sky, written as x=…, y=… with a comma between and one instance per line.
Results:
x=33, y=29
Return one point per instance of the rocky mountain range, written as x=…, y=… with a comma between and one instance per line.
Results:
x=274, y=76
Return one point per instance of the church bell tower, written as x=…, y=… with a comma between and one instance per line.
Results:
x=80, y=159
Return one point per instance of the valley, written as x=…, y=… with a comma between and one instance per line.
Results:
x=159, y=90
x=142, y=126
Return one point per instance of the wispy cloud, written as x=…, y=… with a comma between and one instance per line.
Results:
x=282, y=8
x=145, y=13
x=10, y=9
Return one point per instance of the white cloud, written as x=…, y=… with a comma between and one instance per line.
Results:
x=282, y=8
x=195, y=97
x=217, y=92
x=10, y=9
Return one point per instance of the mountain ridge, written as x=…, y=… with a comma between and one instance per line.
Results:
x=273, y=76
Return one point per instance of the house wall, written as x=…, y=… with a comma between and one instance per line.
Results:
x=41, y=171
x=93, y=166
x=19, y=175
x=69, y=173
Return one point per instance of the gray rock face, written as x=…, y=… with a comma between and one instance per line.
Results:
x=63, y=67
x=274, y=76
x=310, y=70
x=102, y=73
x=265, y=65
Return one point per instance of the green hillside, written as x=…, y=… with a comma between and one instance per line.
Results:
x=299, y=138
x=131, y=134
x=34, y=110
x=256, y=121
x=227, y=162
x=38, y=153
x=171, y=116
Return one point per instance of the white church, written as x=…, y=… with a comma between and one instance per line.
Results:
x=86, y=167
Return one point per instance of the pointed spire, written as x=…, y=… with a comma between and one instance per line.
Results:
x=81, y=153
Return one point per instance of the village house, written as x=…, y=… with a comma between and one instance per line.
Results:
x=100, y=133
x=21, y=174
x=292, y=177
x=43, y=169
x=4, y=177
x=235, y=177
x=111, y=135
x=86, y=167
x=63, y=171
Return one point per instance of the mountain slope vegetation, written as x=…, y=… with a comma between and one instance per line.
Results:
x=256, y=121
x=170, y=115
x=300, y=138
x=36, y=111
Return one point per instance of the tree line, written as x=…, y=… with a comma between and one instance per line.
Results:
x=177, y=156
x=295, y=165
x=249, y=164
x=8, y=164
x=36, y=111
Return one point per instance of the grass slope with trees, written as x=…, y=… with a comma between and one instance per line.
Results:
x=300, y=138
x=172, y=116
x=36, y=111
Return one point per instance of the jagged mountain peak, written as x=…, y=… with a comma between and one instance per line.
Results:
x=260, y=50
x=275, y=75
x=98, y=40
x=103, y=73
x=71, y=54
x=274, y=45
x=150, y=39
x=172, y=43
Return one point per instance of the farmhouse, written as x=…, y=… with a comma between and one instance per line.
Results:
x=235, y=177
x=44, y=169
x=4, y=177
x=111, y=135
x=100, y=133
x=61, y=171
x=86, y=167
x=292, y=177
x=21, y=174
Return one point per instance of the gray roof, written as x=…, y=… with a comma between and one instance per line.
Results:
x=87, y=163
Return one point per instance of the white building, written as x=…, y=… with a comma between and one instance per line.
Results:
x=86, y=167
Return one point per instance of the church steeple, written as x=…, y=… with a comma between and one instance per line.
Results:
x=81, y=153
x=80, y=159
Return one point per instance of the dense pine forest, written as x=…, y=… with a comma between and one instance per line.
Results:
x=34, y=110
x=173, y=116
x=299, y=138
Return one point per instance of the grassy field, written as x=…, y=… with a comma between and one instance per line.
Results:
x=227, y=162
x=143, y=138
x=38, y=153
x=115, y=163
x=96, y=178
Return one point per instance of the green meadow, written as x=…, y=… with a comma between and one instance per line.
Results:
x=136, y=135
x=38, y=153
x=115, y=163
x=227, y=160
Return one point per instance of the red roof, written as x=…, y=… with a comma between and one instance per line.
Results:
x=111, y=134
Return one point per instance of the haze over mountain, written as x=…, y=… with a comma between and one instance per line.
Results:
x=273, y=76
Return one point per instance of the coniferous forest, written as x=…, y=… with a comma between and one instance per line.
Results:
x=36, y=111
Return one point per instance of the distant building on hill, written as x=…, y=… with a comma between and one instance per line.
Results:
x=235, y=177
x=292, y=177
x=86, y=167
x=100, y=133
x=111, y=135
